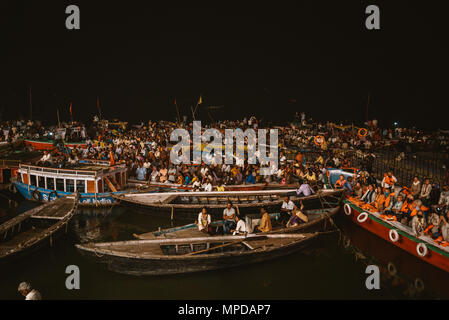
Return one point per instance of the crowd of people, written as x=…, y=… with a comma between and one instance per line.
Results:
x=422, y=205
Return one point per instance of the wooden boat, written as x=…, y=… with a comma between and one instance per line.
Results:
x=402, y=236
x=175, y=186
x=50, y=144
x=35, y=227
x=95, y=182
x=319, y=220
x=189, y=204
x=185, y=255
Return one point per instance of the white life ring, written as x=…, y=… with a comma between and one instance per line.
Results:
x=347, y=209
x=362, y=217
x=394, y=235
x=421, y=249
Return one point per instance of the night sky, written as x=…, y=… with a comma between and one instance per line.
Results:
x=264, y=58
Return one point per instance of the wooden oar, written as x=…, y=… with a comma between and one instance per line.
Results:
x=213, y=248
x=224, y=245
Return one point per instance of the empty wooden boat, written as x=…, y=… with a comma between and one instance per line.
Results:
x=189, y=204
x=318, y=220
x=36, y=227
x=184, y=255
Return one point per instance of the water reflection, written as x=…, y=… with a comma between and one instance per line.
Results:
x=402, y=273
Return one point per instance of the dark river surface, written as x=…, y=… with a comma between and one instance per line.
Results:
x=333, y=267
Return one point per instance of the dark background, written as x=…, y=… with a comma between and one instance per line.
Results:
x=267, y=59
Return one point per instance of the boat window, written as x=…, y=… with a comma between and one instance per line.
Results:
x=51, y=183
x=80, y=186
x=41, y=181
x=60, y=184
x=32, y=179
x=70, y=185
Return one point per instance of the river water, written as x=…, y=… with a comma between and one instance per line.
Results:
x=331, y=268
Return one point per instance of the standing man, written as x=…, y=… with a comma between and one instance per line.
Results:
x=28, y=292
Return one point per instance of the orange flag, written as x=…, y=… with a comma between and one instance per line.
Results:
x=70, y=109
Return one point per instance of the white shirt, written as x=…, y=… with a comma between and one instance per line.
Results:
x=229, y=212
x=207, y=187
x=289, y=206
x=33, y=295
x=240, y=228
x=200, y=225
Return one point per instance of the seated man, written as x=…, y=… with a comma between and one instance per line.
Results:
x=265, y=222
x=304, y=189
x=241, y=227
x=286, y=209
x=294, y=220
x=419, y=224
x=340, y=182
x=46, y=159
x=229, y=218
x=204, y=221
x=28, y=292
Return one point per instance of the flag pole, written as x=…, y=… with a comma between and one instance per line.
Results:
x=59, y=122
x=177, y=111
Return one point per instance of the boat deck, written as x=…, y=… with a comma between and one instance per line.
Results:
x=19, y=240
x=56, y=209
x=153, y=247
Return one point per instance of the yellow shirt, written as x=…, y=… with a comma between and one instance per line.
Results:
x=220, y=188
x=265, y=223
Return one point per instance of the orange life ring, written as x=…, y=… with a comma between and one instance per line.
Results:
x=317, y=140
x=365, y=132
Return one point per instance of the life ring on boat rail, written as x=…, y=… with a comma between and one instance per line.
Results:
x=318, y=140
x=12, y=188
x=36, y=195
x=362, y=217
x=394, y=235
x=421, y=249
x=392, y=269
x=362, y=132
x=347, y=208
x=419, y=284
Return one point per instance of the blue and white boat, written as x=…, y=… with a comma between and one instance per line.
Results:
x=95, y=181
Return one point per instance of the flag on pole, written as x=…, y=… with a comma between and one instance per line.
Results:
x=175, y=101
x=200, y=100
x=70, y=109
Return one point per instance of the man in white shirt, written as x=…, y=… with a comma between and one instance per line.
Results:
x=28, y=292
x=241, y=227
x=46, y=158
x=228, y=217
x=207, y=186
x=286, y=209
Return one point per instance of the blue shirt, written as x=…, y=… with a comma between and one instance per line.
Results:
x=251, y=179
x=140, y=173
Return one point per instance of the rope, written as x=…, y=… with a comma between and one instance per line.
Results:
x=97, y=254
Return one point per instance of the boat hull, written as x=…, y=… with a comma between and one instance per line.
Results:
x=166, y=266
x=48, y=145
x=191, y=211
x=406, y=242
x=85, y=199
